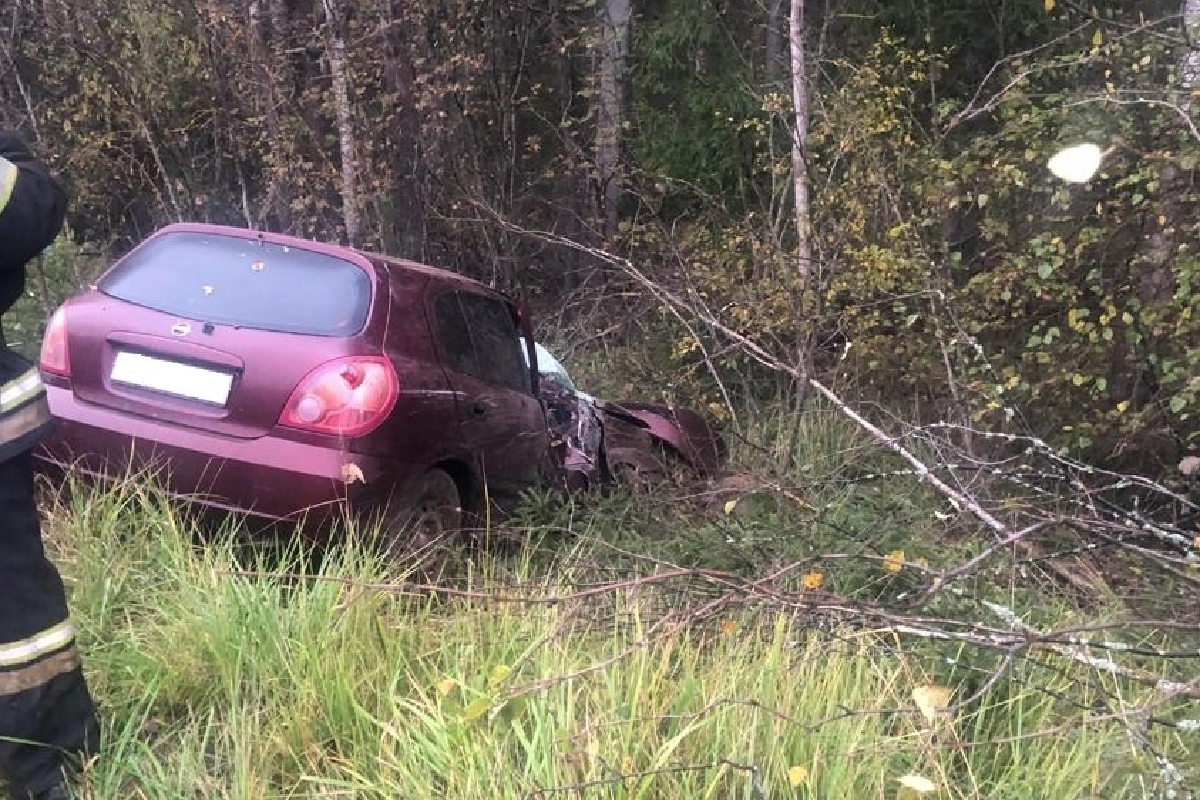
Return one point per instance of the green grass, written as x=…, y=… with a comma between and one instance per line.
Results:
x=219, y=678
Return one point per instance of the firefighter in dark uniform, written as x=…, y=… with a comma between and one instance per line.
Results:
x=47, y=720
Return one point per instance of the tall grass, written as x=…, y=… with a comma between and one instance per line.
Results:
x=219, y=678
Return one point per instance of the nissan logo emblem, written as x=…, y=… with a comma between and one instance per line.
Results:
x=181, y=329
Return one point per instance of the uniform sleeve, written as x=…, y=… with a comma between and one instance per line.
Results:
x=32, y=204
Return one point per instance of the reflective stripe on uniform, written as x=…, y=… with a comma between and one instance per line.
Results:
x=23, y=421
x=38, y=659
x=8, y=179
x=22, y=680
x=20, y=390
x=23, y=409
x=14, y=654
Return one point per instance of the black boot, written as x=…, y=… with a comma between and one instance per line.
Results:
x=58, y=791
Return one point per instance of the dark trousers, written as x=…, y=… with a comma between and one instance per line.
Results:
x=47, y=720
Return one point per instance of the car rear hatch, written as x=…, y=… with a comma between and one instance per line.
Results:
x=214, y=331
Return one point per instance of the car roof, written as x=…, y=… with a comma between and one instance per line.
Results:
x=363, y=258
x=438, y=273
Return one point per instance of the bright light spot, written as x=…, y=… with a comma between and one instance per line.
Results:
x=1076, y=164
x=918, y=784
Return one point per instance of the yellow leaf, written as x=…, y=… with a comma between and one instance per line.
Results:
x=1122, y=406
x=478, y=707
x=499, y=673
x=728, y=626
x=894, y=561
x=730, y=505
x=931, y=700
x=812, y=580
x=797, y=775
x=1049, y=6
x=445, y=686
x=1098, y=38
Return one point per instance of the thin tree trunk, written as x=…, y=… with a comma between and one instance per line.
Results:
x=799, y=171
x=156, y=154
x=278, y=196
x=614, y=47
x=1131, y=374
x=402, y=218
x=336, y=47
x=1158, y=285
x=774, y=42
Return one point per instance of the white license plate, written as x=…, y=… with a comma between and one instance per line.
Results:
x=171, y=377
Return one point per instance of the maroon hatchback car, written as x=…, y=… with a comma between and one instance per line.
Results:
x=281, y=378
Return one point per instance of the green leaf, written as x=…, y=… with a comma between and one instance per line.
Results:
x=1178, y=403
x=1044, y=270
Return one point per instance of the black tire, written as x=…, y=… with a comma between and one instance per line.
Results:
x=429, y=512
x=668, y=469
x=635, y=478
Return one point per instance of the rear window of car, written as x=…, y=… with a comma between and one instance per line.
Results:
x=245, y=283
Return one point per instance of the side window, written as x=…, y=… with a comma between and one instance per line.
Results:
x=481, y=339
x=497, y=342
x=454, y=334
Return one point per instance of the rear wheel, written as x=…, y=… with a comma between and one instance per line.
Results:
x=424, y=516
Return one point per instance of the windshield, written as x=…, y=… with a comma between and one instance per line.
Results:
x=245, y=283
x=548, y=365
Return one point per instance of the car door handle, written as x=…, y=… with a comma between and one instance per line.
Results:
x=479, y=410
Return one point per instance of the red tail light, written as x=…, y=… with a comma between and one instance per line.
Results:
x=345, y=397
x=54, y=345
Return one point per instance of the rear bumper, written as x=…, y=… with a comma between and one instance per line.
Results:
x=271, y=478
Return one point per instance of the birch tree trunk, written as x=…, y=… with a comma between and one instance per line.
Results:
x=335, y=42
x=799, y=137
x=614, y=48
x=1189, y=63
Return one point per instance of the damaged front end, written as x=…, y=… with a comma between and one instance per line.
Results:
x=595, y=443
x=576, y=435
